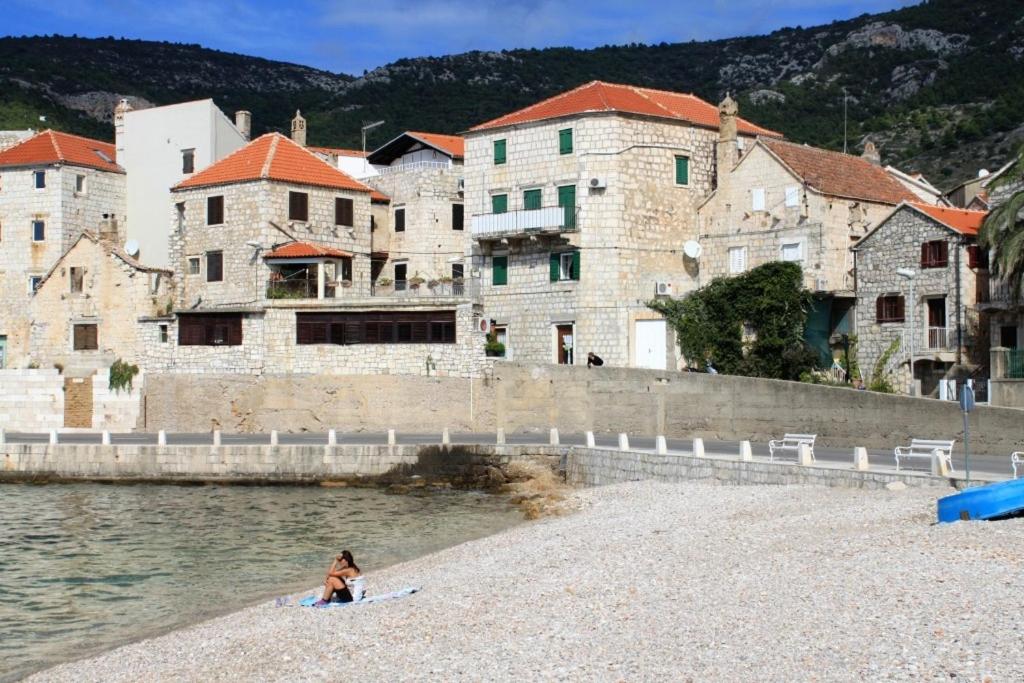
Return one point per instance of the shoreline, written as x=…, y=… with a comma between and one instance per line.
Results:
x=649, y=581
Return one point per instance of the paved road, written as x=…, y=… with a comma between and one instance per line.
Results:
x=988, y=464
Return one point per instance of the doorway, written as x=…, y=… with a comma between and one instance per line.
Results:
x=1007, y=337
x=937, y=322
x=565, y=343
x=651, y=344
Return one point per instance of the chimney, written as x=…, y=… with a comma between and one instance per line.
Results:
x=243, y=122
x=109, y=231
x=871, y=154
x=299, y=128
x=727, y=149
x=120, y=110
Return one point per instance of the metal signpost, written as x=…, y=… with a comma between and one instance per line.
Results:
x=967, y=405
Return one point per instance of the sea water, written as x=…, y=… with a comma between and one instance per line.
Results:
x=87, y=567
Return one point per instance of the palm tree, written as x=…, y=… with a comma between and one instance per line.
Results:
x=1002, y=233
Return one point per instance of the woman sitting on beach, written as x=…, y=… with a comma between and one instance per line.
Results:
x=344, y=581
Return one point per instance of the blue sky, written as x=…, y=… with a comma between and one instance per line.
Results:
x=350, y=36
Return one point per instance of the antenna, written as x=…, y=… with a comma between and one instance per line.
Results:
x=368, y=126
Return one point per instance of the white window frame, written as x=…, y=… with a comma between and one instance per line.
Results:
x=33, y=283
x=81, y=185
x=195, y=266
x=799, y=244
x=565, y=266
x=758, y=199
x=742, y=260
x=34, y=221
x=503, y=328
x=36, y=175
x=792, y=196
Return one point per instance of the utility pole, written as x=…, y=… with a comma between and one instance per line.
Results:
x=844, y=119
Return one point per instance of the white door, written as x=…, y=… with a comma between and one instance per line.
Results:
x=651, y=348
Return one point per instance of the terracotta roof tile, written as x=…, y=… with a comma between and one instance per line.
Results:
x=598, y=96
x=454, y=145
x=52, y=147
x=378, y=196
x=838, y=174
x=962, y=221
x=306, y=250
x=273, y=157
x=339, y=151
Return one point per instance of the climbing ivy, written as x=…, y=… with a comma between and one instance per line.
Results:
x=769, y=301
x=121, y=375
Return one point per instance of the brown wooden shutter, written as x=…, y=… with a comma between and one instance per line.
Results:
x=234, y=337
x=925, y=255
x=880, y=309
x=942, y=253
x=344, y=212
x=298, y=206
x=899, y=316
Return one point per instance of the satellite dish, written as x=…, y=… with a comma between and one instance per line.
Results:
x=131, y=247
x=693, y=249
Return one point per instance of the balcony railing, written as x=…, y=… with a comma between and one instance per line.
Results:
x=304, y=288
x=548, y=219
x=404, y=288
x=1000, y=294
x=941, y=338
x=413, y=166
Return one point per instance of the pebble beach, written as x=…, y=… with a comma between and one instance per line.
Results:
x=649, y=581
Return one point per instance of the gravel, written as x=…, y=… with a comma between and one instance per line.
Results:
x=651, y=581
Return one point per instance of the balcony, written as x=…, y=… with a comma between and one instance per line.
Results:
x=548, y=220
x=301, y=288
x=414, y=166
x=1000, y=296
x=412, y=290
x=941, y=339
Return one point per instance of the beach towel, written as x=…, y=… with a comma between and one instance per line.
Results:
x=383, y=597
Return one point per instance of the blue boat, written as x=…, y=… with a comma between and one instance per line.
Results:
x=993, y=501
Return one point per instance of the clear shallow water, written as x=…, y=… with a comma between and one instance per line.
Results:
x=86, y=567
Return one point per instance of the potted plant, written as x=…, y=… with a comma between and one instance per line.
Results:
x=415, y=281
x=493, y=347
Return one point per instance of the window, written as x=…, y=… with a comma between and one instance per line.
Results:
x=77, y=279
x=565, y=141
x=193, y=265
x=565, y=266
x=737, y=259
x=344, y=212
x=458, y=217
x=215, y=210
x=401, y=272
x=392, y=327
x=757, y=199
x=934, y=254
x=458, y=269
x=499, y=203
x=682, y=170
x=793, y=251
x=33, y=283
x=180, y=211
x=79, y=184
x=209, y=329
x=977, y=257
x=889, y=309
x=85, y=338
x=38, y=231
x=500, y=333
x=298, y=206
x=499, y=270
x=792, y=196
x=39, y=178
x=214, y=266
x=531, y=199
x=163, y=334
x=400, y=220
x=499, y=152
x=188, y=161
x=567, y=200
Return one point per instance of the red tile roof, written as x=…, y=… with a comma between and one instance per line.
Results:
x=838, y=174
x=598, y=96
x=306, y=250
x=273, y=157
x=378, y=196
x=52, y=147
x=453, y=145
x=962, y=221
x=339, y=151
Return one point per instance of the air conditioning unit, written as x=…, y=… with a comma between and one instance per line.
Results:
x=820, y=284
x=663, y=288
x=598, y=183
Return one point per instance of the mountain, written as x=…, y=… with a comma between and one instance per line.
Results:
x=938, y=86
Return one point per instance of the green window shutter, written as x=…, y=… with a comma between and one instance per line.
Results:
x=531, y=199
x=576, y=265
x=499, y=203
x=499, y=151
x=499, y=270
x=555, y=266
x=565, y=141
x=682, y=170
x=567, y=200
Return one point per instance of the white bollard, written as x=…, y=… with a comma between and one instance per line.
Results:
x=803, y=455
x=161, y=438
x=216, y=438
x=53, y=436
x=746, y=454
x=332, y=437
x=553, y=440
x=105, y=438
x=698, y=448
x=661, y=446
x=939, y=467
x=391, y=437
x=499, y=438
x=446, y=439
x=860, y=459
x=273, y=437
x=623, y=442
x=591, y=443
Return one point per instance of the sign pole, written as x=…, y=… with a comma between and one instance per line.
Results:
x=967, y=405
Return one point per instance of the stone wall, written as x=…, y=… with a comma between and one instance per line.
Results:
x=34, y=401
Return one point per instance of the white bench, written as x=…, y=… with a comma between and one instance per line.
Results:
x=791, y=442
x=1016, y=460
x=926, y=448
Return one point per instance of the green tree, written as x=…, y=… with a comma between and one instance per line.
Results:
x=1002, y=233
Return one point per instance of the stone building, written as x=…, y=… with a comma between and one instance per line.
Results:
x=580, y=206
x=781, y=201
x=941, y=325
x=424, y=237
x=53, y=186
x=85, y=311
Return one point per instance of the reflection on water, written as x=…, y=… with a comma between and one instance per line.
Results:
x=84, y=567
